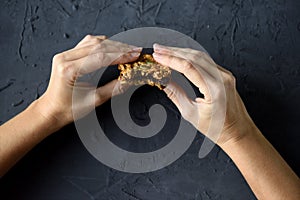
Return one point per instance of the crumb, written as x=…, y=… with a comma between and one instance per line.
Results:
x=145, y=70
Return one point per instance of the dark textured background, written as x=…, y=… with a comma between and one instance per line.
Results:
x=257, y=40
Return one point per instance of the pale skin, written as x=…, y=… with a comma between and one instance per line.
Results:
x=268, y=175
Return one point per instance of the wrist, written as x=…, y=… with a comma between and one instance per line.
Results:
x=47, y=115
x=237, y=135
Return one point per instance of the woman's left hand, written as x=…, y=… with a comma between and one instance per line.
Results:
x=90, y=54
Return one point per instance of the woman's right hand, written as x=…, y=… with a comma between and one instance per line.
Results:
x=218, y=87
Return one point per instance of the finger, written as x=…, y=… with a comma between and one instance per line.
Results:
x=170, y=50
x=195, y=56
x=126, y=58
x=93, y=41
x=88, y=39
x=107, y=91
x=94, y=62
x=184, y=104
x=74, y=54
x=195, y=74
x=186, y=53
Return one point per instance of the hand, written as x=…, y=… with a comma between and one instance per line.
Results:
x=92, y=53
x=212, y=80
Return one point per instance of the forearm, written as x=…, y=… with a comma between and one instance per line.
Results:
x=268, y=175
x=22, y=133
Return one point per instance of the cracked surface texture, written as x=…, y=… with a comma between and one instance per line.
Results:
x=257, y=40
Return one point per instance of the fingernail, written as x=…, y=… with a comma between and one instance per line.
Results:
x=135, y=48
x=135, y=54
x=138, y=49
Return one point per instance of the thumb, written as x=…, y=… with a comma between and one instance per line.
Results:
x=178, y=96
x=109, y=90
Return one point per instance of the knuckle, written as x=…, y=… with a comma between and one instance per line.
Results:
x=171, y=94
x=58, y=58
x=96, y=40
x=229, y=79
x=187, y=66
x=66, y=69
x=88, y=37
x=197, y=57
x=98, y=99
x=69, y=67
x=200, y=54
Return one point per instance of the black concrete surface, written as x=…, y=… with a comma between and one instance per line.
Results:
x=257, y=40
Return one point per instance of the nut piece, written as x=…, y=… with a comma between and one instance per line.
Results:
x=145, y=70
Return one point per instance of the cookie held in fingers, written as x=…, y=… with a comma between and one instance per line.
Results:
x=145, y=70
